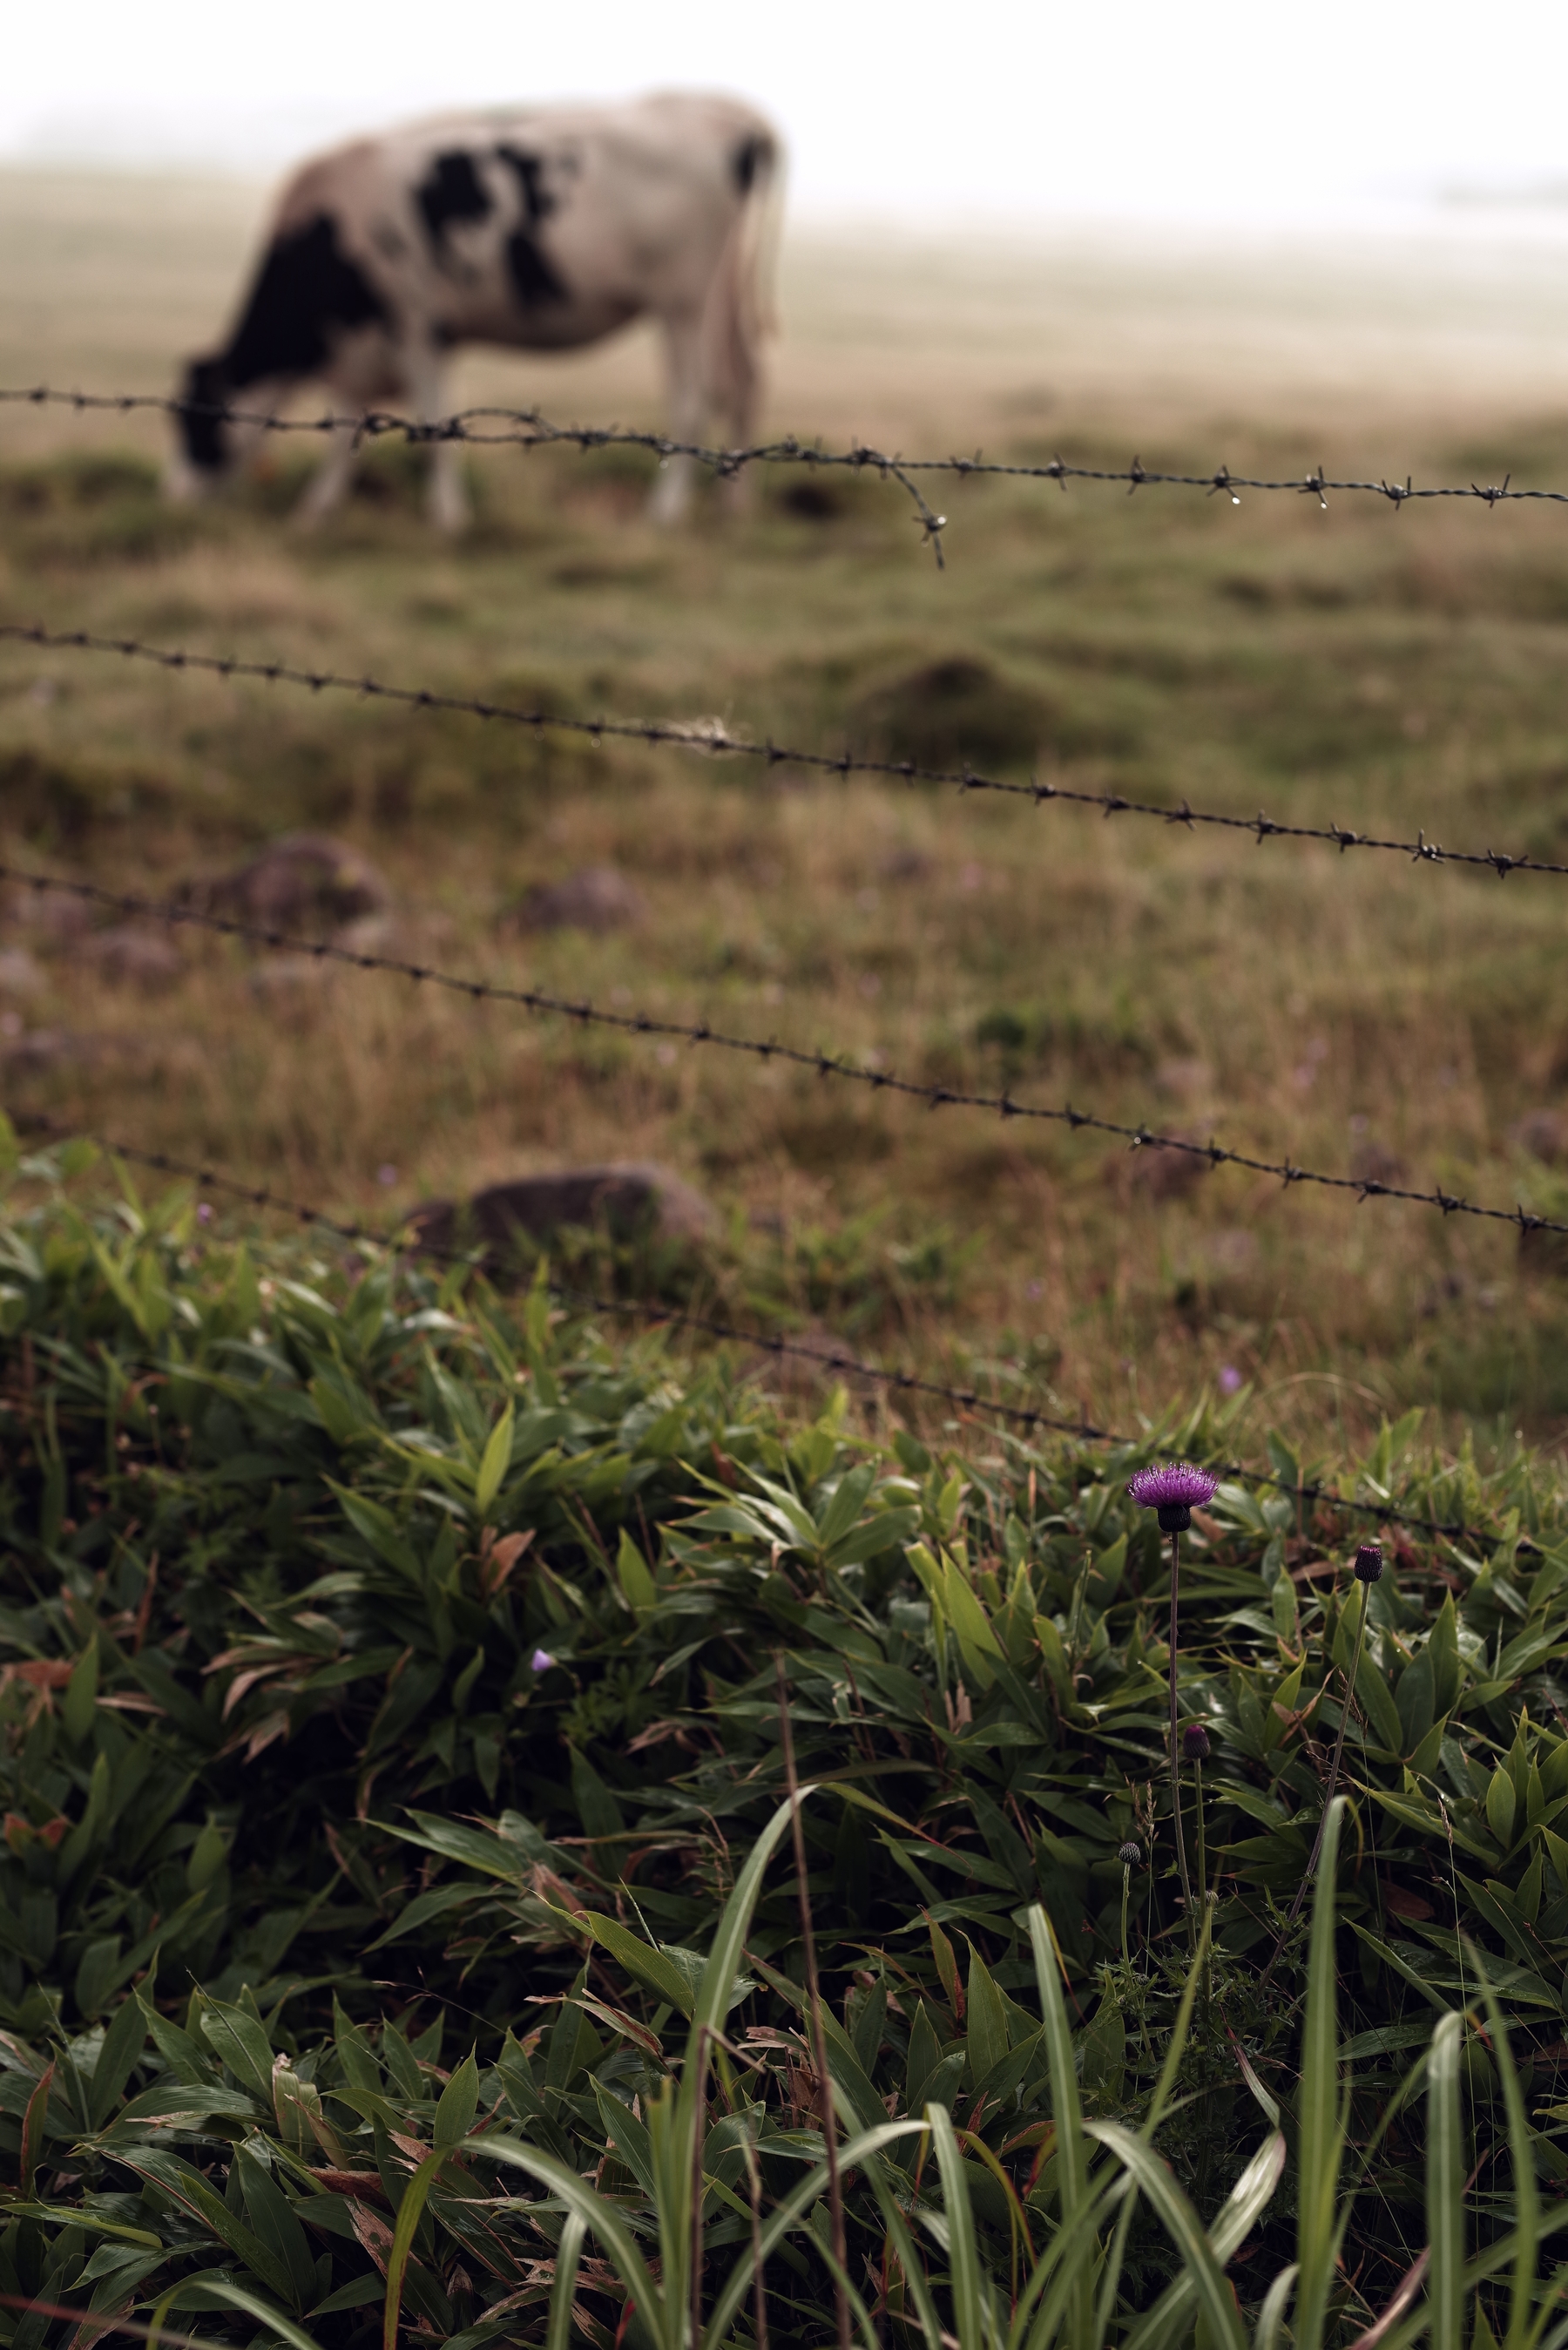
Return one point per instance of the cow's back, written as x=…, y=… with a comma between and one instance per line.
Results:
x=546, y=225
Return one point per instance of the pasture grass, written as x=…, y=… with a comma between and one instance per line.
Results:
x=1390, y=671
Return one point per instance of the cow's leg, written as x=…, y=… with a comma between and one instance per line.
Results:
x=447, y=498
x=738, y=410
x=688, y=414
x=329, y=485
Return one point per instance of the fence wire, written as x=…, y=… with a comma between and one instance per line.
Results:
x=820, y=1064
x=655, y=1310
x=527, y=428
x=717, y=742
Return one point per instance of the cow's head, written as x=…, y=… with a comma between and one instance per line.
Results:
x=207, y=450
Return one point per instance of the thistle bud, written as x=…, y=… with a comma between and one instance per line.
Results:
x=1368, y=1562
x=1130, y=1854
x=1194, y=1743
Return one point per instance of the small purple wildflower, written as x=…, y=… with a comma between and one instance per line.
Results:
x=204, y=1212
x=1194, y=1743
x=1175, y=1491
x=386, y=1174
x=1130, y=1854
x=1368, y=1563
x=541, y=1660
x=1230, y=1378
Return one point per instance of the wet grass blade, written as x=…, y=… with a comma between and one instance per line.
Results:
x=1071, y=2168
x=969, y=2288
x=1270, y=2323
x=1521, y=2158
x=666, y=2322
x=1215, y=2298
x=1445, y=2187
x=1243, y=2208
x=787, y=2215
x=1321, y=2113
x=567, y=2256
x=201, y=2291
x=909, y=2260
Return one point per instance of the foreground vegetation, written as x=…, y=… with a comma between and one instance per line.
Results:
x=396, y=1878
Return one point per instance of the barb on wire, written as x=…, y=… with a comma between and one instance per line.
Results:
x=821, y=1063
x=527, y=428
x=655, y=1310
x=717, y=741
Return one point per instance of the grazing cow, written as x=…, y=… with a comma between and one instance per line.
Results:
x=541, y=229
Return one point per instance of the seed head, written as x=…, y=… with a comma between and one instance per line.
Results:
x=1368, y=1562
x=1130, y=1854
x=1194, y=1743
x=1173, y=1492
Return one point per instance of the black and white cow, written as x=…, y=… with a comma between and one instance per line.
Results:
x=538, y=229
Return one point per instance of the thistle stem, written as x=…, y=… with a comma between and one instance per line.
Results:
x=1203, y=1893
x=1175, y=1751
x=1310, y=1871
x=1127, y=1888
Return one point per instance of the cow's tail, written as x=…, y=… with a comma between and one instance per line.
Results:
x=740, y=310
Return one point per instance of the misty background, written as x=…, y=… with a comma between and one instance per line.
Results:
x=1341, y=116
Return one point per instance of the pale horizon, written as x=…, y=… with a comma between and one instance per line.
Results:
x=1345, y=119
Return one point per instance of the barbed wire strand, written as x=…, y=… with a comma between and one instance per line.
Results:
x=528, y=428
x=768, y=1049
x=717, y=741
x=654, y=1310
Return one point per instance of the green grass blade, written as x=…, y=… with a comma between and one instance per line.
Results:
x=562, y=2291
x=1322, y=2121
x=1214, y=2295
x=233, y=2296
x=416, y=2194
x=1549, y=2302
x=1479, y=2271
x=728, y=1945
x=1071, y=2168
x=857, y=2308
x=1061, y=2272
x=1272, y=2316
x=1242, y=2211
x=1522, y=2158
x=1445, y=2187
x=963, y=2255
x=1111, y=2276
x=1165, y=2087
x=667, y=2325
x=791, y=2211
x=909, y=2260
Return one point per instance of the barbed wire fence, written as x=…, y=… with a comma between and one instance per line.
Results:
x=966, y=1399
x=529, y=429
x=717, y=741
x=768, y=1049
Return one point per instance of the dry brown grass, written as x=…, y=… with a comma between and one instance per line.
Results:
x=1388, y=670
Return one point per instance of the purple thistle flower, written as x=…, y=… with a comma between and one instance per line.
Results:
x=1175, y=1491
x=541, y=1660
x=1368, y=1562
x=1194, y=1743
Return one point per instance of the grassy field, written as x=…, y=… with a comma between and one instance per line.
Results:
x=1386, y=670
